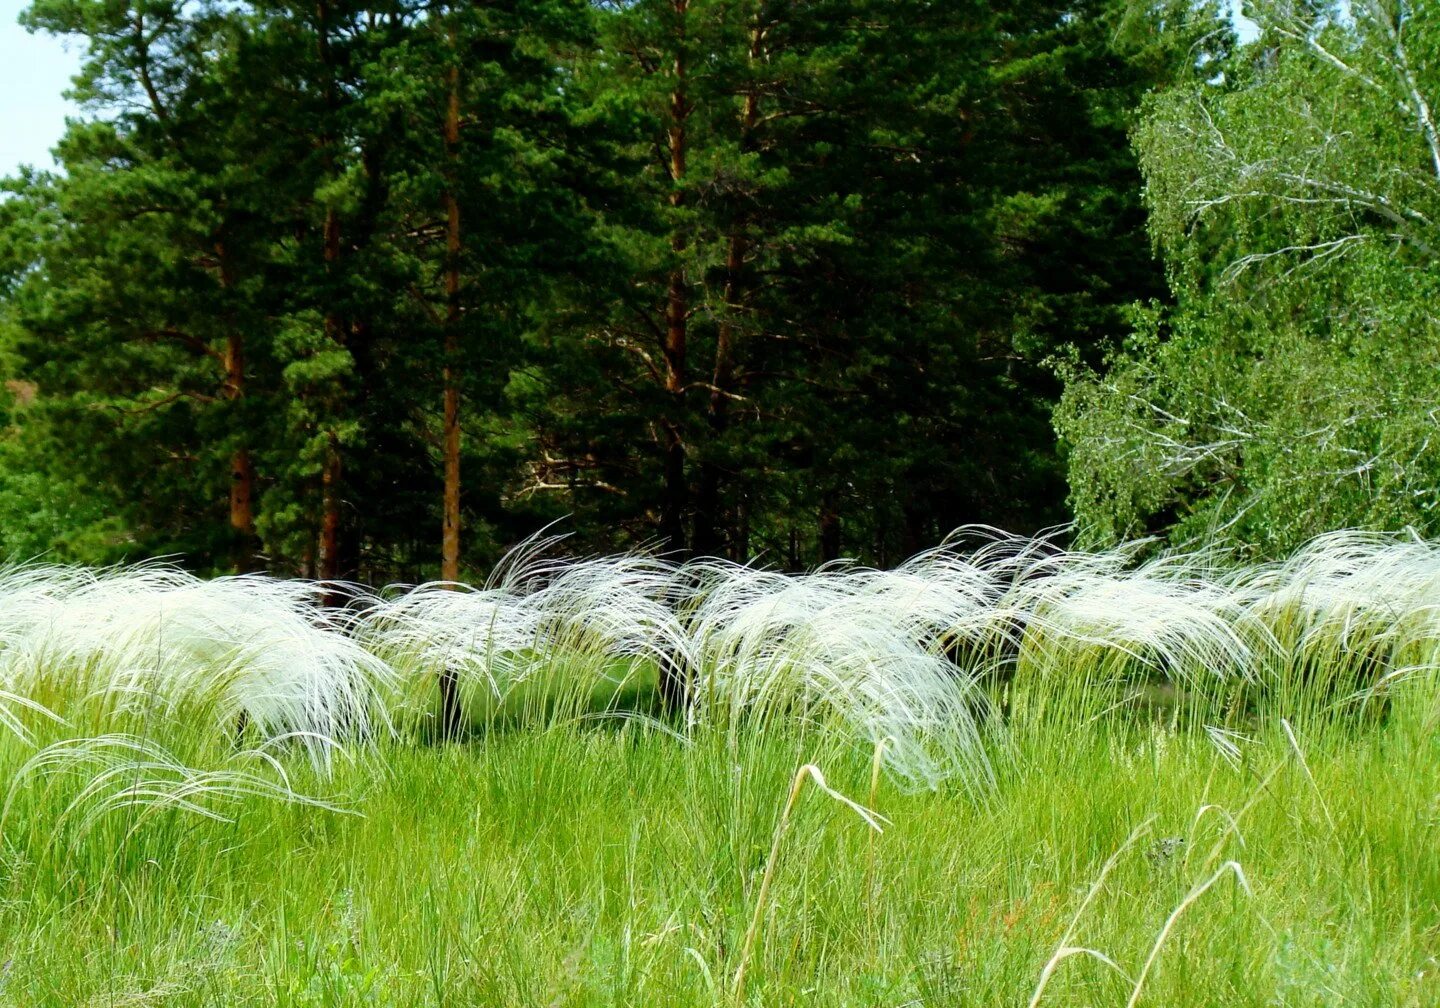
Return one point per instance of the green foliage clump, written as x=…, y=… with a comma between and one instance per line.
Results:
x=1290, y=388
x=757, y=278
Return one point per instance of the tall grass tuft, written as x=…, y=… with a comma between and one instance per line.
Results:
x=155, y=651
x=949, y=658
x=543, y=640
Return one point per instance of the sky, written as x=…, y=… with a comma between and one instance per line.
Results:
x=35, y=71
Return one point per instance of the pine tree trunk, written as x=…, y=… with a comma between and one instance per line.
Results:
x=708, y=505
x=242, y=468
x=450, y=522
x=829, y=530
x=675, y=491
x=242, y=500
x=451, y=719
x=742, y=529
x=329, y=547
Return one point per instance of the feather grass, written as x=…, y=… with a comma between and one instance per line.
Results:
x=930, y=656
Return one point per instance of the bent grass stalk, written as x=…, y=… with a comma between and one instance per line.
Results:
x=871, y=896
x=807, y=772
x=1300, y=755
x=1191, y=897
x=129, y=772
x=1065, y=950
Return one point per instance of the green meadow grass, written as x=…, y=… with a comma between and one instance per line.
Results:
x=1014, y=777
x=607, y=862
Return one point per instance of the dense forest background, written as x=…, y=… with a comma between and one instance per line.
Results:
x=374, y=289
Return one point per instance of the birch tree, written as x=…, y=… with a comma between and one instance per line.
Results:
x=1293, y=388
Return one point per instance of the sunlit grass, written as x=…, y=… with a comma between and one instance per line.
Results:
x=620, y=865
x=1096, y=781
